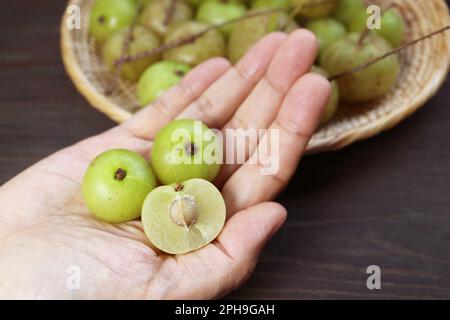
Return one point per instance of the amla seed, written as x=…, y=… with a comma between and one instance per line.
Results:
x=183, y=211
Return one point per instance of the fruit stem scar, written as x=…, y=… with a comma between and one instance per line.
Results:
x=120, y=174
x=170, y=12
x=191, y=148
x=178, y=187
x=101, y=19
x=179, y=73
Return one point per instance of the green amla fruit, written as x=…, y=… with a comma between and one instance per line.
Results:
x=327, y=31
x=211, y=44
x=142, y=2
x=115, y=185
x=346, y=10
x=271, y=4
x=157, y=18
x=158, y=78
x=368, y=83
x=219, y=11
x=109, y=16
x=141, y=40
x=186, y=149
x=248, y=31
x=392, y=25
x=332, y=105
x=315, y=8
x=195, y=3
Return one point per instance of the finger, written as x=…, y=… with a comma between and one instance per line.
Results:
x=292, y=60
x=136, y=133
x=218, y=103
x=149, y=120
x=272, y=164
x=115, y=138
x=225, y=264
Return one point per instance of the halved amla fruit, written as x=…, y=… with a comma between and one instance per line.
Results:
x=183, y=217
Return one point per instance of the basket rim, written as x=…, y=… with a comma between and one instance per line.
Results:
x=359, y=132
x=81, y=82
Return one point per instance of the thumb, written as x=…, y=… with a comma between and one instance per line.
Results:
x=246, y=233
x=226, y=263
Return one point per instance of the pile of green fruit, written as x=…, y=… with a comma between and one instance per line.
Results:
x=187, y=211
x=137, y=27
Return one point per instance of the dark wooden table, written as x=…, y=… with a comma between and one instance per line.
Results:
x=384, y=201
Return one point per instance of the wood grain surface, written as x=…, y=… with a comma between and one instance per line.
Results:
x=384, y=201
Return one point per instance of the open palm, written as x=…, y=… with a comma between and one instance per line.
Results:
x=46, y=230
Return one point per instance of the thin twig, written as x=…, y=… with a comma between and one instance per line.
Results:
x=294, y=11
x=170, y=12
x=125, y=47
x=363, y=35
x=195, y=36
x=387, y=54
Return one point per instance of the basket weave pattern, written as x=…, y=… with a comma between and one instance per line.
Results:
x=424, y=67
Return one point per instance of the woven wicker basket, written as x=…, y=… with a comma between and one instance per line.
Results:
x=424, y=68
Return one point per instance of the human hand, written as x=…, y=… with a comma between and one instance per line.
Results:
x=45, y=226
